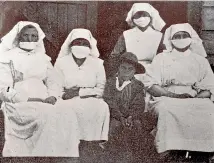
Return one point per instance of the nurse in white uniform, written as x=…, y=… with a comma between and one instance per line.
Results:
x=83, y=78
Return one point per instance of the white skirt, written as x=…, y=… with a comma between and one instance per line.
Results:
x=92, y=116
x=184, y=124
x=38, y=129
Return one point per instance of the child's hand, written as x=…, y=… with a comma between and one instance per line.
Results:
x=129, y=122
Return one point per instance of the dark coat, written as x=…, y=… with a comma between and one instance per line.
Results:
x=136, y=102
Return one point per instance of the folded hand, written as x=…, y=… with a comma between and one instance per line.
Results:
x=50, y=100
x=69, y=95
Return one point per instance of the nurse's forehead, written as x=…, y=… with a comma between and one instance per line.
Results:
x=80, y=41
x=181, y=33
x=141, y=13
x=30, y=30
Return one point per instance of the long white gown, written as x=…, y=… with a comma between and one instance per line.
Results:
x=92, y=113
x=183, y=124
x=35, y=128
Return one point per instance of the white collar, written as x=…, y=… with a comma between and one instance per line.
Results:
x=186, y=53
x=125, y=83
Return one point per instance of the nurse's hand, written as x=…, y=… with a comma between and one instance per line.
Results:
x=50, y=100
x=18, y=76
x=184, y=95
x=70, y=94
x=204, y=94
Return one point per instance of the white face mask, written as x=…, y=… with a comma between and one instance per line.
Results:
x=182, y=43
x=80, y=51
x=28, y=45
x=142, y=21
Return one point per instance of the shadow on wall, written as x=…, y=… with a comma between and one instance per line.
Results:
x=11, y=17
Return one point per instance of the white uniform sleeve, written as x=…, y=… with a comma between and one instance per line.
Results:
x=153, y=72
x=206, y=78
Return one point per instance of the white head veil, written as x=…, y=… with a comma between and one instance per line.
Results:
x=9, y=41
x=196, y=44
x=75, y=34
x=157, y=22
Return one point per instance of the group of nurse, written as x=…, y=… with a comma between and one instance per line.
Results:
x=49, y=109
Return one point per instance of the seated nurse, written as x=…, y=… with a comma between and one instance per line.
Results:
x=143, y=39
x=182, y=86
x=35, y=125
x=83, y=79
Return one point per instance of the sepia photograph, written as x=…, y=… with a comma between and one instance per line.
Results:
x=107, y=81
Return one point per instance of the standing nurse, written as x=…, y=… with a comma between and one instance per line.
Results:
x=143, y=39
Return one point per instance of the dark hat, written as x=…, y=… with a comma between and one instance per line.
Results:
x=129, y=57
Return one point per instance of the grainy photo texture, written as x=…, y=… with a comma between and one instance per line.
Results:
x=106, y=81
